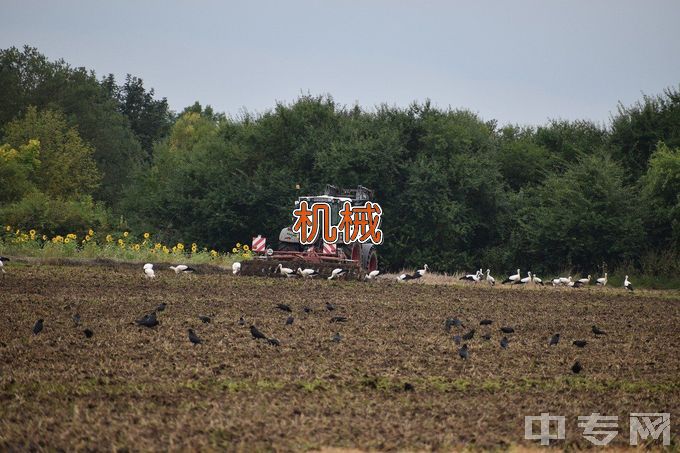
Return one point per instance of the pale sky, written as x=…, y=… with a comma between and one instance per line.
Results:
x=515, y=61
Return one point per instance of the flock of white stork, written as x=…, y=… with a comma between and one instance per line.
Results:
x=515, y=279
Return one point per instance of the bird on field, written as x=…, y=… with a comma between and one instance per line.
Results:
x=523, y=281
x=193, y=337
x=485, y=322
x=536, y=280
x=161, y=307
x=506, y=329
x=336, y=338
x=405, y=277
x=330, y=306
x=148, y=270
x=236, y=268
x=148, y=320
x=204, y=319
x=598, y=331
x=574, y=284
x=457, y=339
x=2, y=265
x=76, y=319
x=452, y=322
x=576, y=367
x=504, y=342
x=273, y=341
x=584, y=281
x=290, y=320
x=284, y=307
x=307, y=309
x=511, y=278
x=182, y=269
x=38, y=327
x=257, y=334
x=463, y=352
x=628, y=285
x=408, y=387
x=337, y=273
x=88, y=333
x=288, y=272
x=307, y=273
x=602, y=281
x=241, y=321
x=421, y=272
x=486, y=336
x=469, y=335
x=489, y=279
x=554, y=340
x=372, y=275
x=472, y=277
x=338, y=319
x=579, y=343
x=564, y=280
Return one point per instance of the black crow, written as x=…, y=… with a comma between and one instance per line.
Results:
x=469, y=335
x=576, y=367
x=507, y=330
x=88, y=333
x=554, y=339
x=463, y=352
x=241, y=321
x=579, y=343
x=273, y=342
x=307, y=310
x=205, y=319
x=284, y=307
x=504, y=342
x=193, y=337
x=161, y=307
x=76, y=319
x=337, y=337
x=598, y=331
x=457, y=339
x=486, y=336
x=257, y=334
x=148, y=320
x=330, y=306
x=290, y=320
x=338, y=319
x=485, y=322
x=408, y=387
x=38, y=327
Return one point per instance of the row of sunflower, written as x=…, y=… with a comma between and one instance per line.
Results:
x=124, y=246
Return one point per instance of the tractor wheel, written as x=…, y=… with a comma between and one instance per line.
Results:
x=372, y=261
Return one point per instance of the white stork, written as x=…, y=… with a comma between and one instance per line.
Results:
x=537, y=280
x=584, y=281
x=556, y=282
x=602, y=281
x=489, y=278
x=565, y=280
x=405, y=277
x=288, y=272
x=2, y=265
x=236, y=268
x=182, y=268
x=628, y=285
x=337, y=273
x=307, y=273
x=472, y=277
x=148, y=270
x=512, y=278
x=525, y=280
x=421, y=272
x=371, y=275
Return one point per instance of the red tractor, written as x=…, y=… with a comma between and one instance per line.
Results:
x=356, y=257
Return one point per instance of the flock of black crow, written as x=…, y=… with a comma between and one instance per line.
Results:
x=464, y=351
x=150, y=320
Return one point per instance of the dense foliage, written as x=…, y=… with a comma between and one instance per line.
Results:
x=457, y=192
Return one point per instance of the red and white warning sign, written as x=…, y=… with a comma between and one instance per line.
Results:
x=329, y=249
x=259, y=244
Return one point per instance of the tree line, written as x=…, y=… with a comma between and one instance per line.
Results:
x=457, y=192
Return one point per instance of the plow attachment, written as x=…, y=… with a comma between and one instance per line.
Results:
x=266, y=265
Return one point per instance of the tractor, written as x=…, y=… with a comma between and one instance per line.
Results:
x=356, y=257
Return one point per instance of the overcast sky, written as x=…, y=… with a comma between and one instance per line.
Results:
x=516, y=61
